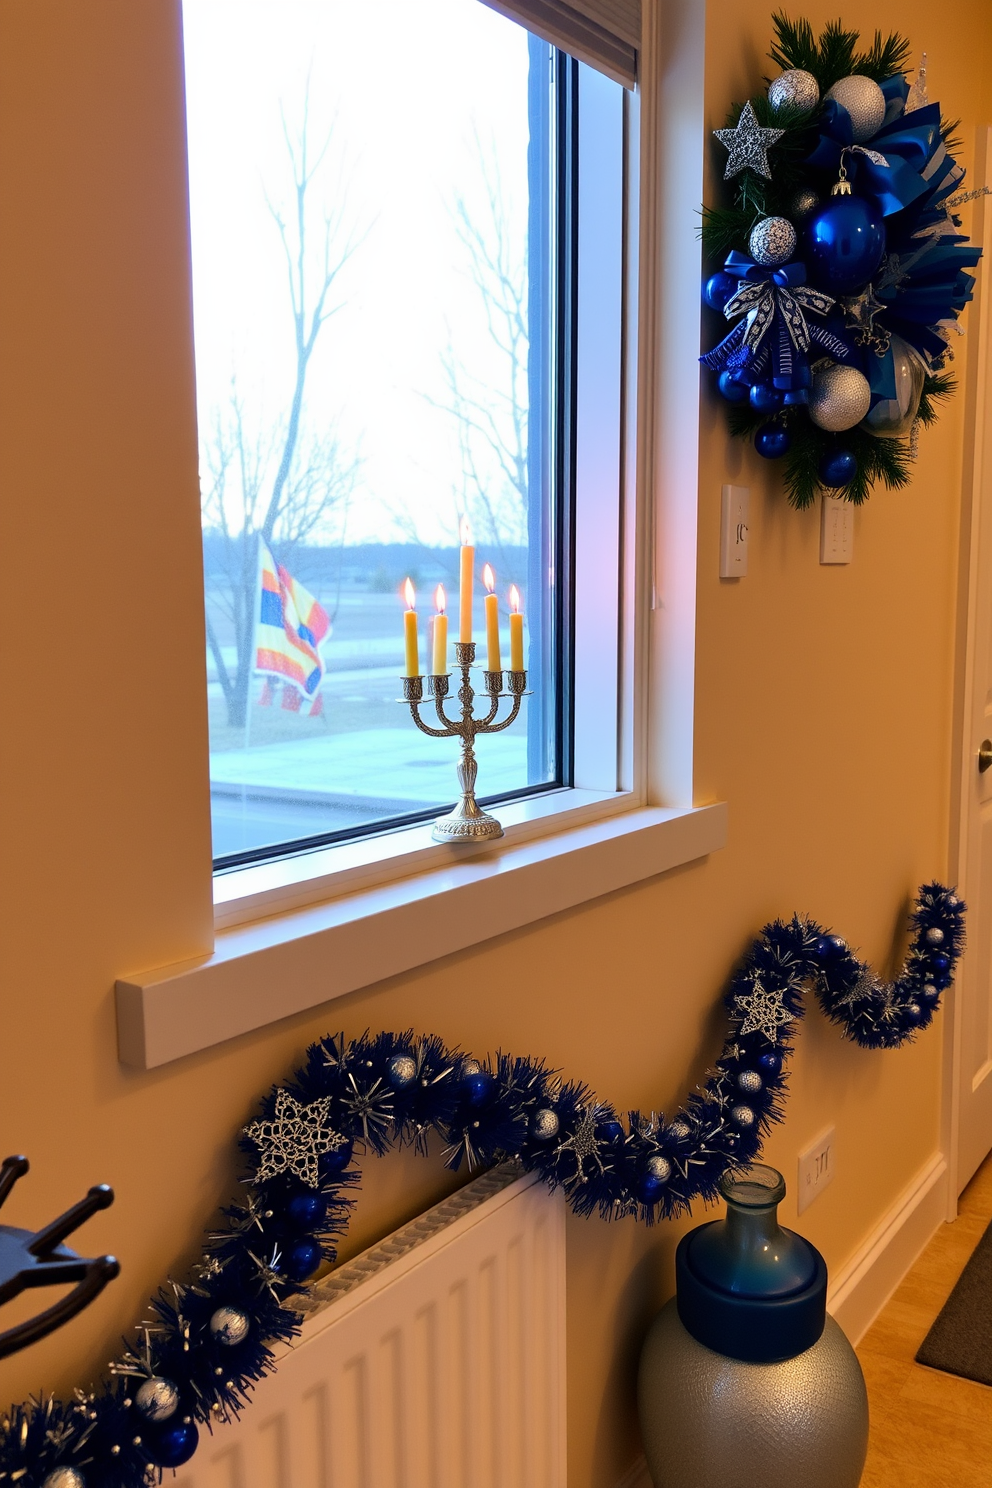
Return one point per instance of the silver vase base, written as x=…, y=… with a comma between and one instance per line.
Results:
x=467, y=823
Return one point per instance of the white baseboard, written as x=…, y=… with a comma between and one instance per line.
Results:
x=861, y=1288
x=637, y=1477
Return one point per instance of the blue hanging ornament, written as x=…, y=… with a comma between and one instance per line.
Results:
x=335, y=1161
x=773, y=440
x=765, y=398
x=172, y=1445
x=718, y=289
x=838, y=468
x=845, y=240
x=307, y=1210
x=301, y=1259
x=732, y=388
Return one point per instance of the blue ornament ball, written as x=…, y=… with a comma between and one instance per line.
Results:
x=718, y=289
x=838, y=468
x=336, y=1160
x=172, y=1445
x=845, y=241
x=765, y=398
x=732, y=390
x=769, y=1062
x=477, y=1088
x=301, y=1259
x=772, y=441
x=825, y=948
x=651, y=1181
x=610, y=1131
x=913, y=1012
x=941, y=962
x=307, y=1209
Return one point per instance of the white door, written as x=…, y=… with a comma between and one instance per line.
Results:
x=970, y=1134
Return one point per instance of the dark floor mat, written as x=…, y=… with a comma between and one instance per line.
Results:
x=960, y=1341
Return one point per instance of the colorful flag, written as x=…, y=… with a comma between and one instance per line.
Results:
x=290, y=627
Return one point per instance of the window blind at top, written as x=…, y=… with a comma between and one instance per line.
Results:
x=604, y=33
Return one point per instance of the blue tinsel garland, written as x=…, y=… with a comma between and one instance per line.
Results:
x=209, y=1339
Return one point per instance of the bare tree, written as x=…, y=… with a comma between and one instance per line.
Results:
x=286, y=482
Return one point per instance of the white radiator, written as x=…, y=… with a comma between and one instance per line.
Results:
x=436, y=1359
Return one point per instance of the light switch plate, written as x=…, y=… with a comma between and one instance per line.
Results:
x=816, y=1169
x=836, y=530
x=733, y=531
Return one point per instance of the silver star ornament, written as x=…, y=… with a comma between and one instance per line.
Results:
x=764, y=1012
x=294, y=1138
x=748, y=144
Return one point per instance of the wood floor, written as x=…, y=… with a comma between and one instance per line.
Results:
x=928, y=1429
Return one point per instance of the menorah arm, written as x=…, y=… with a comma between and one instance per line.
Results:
x=425, y=728
x=452, y=726
x=486, y=726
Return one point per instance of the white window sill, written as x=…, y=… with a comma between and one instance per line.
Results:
x=391, y=914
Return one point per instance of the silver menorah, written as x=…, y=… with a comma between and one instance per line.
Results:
x=468, y=822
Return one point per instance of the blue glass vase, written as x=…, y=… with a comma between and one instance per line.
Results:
x=744, y=1379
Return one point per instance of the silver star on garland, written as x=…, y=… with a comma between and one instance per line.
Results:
x=860, y=311
x=868, y=985
x=583, y=1143
x=294, y=1138
x=764, y=1012
x=748, y=144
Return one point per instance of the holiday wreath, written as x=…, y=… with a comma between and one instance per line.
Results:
x=194, y=1361
x=840, y=262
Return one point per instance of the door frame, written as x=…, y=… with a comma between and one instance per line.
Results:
x=974, y=582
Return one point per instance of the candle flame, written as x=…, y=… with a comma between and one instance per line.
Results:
x=440, y=601
x=489, y=578
x=410, y=595
x=515, y=599
x=464, y=532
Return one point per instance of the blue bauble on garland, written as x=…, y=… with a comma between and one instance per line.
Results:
x=838, y=468
x=307, y=1210
x=718, y=289
x=765, y=398
x=773, y=440
x=301, y=1259
x=172, y=1445
x=845, y=241
x=733, y=390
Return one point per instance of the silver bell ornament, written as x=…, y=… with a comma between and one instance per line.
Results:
x=229, y=1326
x=157, y=1399
x=795, y=89
x=839, y=398
x=772, y=241
x=64, y=1477
x=865, y=103
x=893, y=418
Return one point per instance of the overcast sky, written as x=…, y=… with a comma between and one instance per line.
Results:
x=404, y=91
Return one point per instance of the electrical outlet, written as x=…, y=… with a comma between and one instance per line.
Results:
x=816, y=1169
x=836, y=530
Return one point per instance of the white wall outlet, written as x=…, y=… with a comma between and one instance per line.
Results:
x=733, y=531
x=836, y=530
x=816, y=1168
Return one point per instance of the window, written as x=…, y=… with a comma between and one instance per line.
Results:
x=407, y=268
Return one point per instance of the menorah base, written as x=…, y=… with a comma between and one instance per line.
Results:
x=467, y=823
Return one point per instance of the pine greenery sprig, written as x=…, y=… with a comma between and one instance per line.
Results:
x=936, y=386
x=835, y=55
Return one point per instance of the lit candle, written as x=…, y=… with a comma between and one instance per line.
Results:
x=440, y=661
x=516, y=631
x=410, y=631
x=493, y=662
x=466, y=584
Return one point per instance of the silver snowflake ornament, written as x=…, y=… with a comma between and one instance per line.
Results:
x=748, y=144
x=294, y=1139
x=763, y=1011
x=583, y=1144
x=867, y=986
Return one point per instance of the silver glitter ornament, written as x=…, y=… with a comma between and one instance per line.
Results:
x=748, y=144
x=930, y=992
x=64, y=1477
x=544, y=1125
x=803, y=204
x=229, y=1326
x=750, y=1082
x=795, y=89
x=742, y=1116
x=865, y=103
x=680, y=1130
x=659, y=1168
x=402, y=1069
x=935, y=936
x=772, y=241
x=839, y=398
x=157, y=1399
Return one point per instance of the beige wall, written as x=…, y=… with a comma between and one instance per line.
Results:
x=823, y=717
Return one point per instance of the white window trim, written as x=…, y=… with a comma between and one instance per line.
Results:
x=297, y=933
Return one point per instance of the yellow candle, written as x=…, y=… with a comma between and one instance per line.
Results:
x=516, y=632
x=439, y=664
x=410, y=632
x=493, y=662
x=465, y=586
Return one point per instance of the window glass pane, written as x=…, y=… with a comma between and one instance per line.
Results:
x=372, y=194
